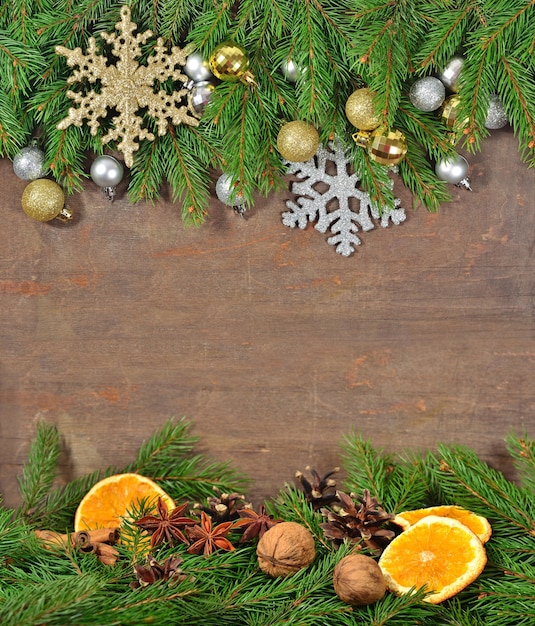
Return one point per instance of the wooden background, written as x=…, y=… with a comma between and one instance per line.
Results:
x=268, y=341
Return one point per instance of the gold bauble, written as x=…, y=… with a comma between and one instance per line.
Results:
x=229, y=62
x=387, y=147
x=43, y=200
x=449, y=111
x=360, y=109
x=298, y=141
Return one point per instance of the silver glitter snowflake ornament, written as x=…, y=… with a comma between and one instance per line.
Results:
x=312, y=204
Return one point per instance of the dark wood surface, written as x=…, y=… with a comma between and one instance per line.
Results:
x=268, y=341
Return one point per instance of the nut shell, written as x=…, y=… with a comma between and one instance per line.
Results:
x=285, y=549
x=358, y=580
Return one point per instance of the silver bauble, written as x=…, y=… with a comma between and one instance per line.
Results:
x=197, y=68
x=291, y=71
x=107, y=172
x=200, y=95
x=226, y=193
x=450, y=74
x=29, y=163
x=496, y=116
x=452, y=169
x=427, y=94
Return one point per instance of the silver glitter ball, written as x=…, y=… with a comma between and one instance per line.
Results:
x=197, y=68
x=427, y=94
x=496, y=116
x=200, y=95
x=29, y=163
x=452, y=170
x=450, y=74
x=224, y=189
x=106, y=171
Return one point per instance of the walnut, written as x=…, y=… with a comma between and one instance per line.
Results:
x=358, y=580
x=285, y=549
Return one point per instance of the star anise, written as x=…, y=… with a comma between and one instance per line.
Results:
x=167, y=526
x=321, y=490
x=224, y=507
x=169, y=570
x=207, y=537
x=358, y=522
x=254, y=524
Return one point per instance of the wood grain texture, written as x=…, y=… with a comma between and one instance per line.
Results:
x=268, y=341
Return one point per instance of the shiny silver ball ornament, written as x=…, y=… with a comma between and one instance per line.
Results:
x=454, y=170
x=427, y=94
x=451, y=73
x=107, y=172
x=197, y=68
x=226, y=193
x=200, y=95
x=291, y=71
x=29, y=163
x=496, y=116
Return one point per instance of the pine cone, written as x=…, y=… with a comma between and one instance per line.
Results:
x=321, y=490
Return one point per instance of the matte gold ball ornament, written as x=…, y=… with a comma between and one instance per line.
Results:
x=230, y=63
x=361, y=111
x=43, y=200
x=298, y=141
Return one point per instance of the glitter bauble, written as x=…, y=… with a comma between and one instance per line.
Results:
x=427, y=94
x=197, y=68
x=200, y=95
x=387, y=147
x=451, y=73
x=106, y=171
x=496, y=116
x=225, y=190
x=229, y=62
x=360, y=109
x=43, y=200
x=298, y=141
x=452, y=169
x=29, y=163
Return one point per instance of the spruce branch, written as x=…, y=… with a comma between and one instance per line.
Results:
x=522, y=450
x=39, y=471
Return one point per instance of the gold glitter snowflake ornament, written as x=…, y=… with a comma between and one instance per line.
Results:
x=127, y=87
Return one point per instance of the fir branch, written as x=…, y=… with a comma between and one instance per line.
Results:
x=522, y=451
x=39, y=471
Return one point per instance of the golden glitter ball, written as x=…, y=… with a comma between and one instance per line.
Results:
x=298, y=141
x=43, y=200
x=387, y=147
x=229, y=62
x=360, y=109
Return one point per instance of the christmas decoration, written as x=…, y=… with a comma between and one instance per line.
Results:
x=358, y=580
x=451, y=73
x=322, y=490
x=107, y=172
x=224, y=507
x=297, y=141
x=496, y=115
x=29, y=163
x=360, y=109
x=226, y=192
x=127, y=87
x=454, y=170
x=291, y=71
x=285, y=549
x=427, y=94
x=166, y=525
x=197, y=68
x=387, y=147
x=343, y=221
x=200, y=95
x=207, y=537
x=230, y=63
x=449, y=112
x=43, y=200
x=53, y=576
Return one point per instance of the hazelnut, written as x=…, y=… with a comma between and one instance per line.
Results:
x=285, y=548
x=358, y=580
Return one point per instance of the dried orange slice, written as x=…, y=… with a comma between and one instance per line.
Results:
x=476, y=523
x=439, y=552
x=108, y=502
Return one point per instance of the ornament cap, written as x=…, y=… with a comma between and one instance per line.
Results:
x=362, y=138
x=65, y=215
